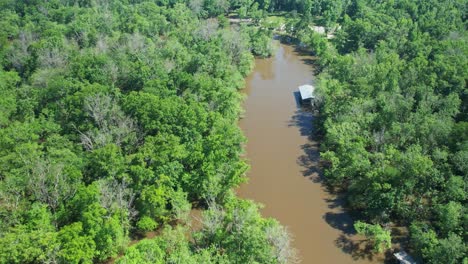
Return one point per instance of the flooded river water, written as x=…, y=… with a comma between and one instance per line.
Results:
x=284, y=175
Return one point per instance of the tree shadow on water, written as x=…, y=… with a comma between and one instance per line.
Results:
x=297, y=98
x=303, y=119
x=361, y=249
x=358, y=249
x=348, y=241
x=340, y=221
x=309, y=161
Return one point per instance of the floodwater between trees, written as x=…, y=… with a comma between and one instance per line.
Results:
x=283, y=156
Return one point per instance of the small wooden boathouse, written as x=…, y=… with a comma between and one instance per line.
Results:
x=307, y=92
x=404, y=257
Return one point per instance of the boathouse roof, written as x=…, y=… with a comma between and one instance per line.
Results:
x=404, y=258
x=307, y=91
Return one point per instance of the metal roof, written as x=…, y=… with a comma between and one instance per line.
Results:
x=307, y=91
x=404, y=258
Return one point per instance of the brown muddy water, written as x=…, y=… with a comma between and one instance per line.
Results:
x=284, y=174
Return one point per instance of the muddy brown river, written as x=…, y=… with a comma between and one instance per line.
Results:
x=284, y=175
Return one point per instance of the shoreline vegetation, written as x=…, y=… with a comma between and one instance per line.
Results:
x=116, y=117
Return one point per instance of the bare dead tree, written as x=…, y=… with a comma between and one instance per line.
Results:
x=102, y=45
x=196, y=6
x=53, y=58
x=379, y=138
x=213, y=218
x=10, y=194
x=207, y=29
x=280, y=238
x=234, y=43
x=169, y=65
x=99, y=108
x=113, y=125
x=19, y=54
x=241, y=218
x=136, y=43
x=117, y=198
x=42, y=77
x=50, y=184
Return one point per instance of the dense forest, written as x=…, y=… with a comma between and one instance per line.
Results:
x=118, y=117
x=394, y=117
